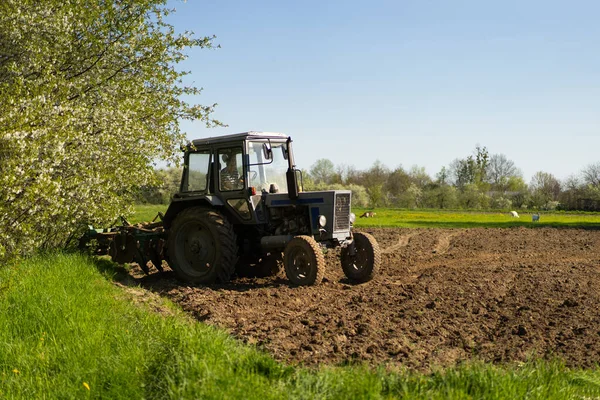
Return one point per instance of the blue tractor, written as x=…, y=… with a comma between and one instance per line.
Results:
x=241, y=206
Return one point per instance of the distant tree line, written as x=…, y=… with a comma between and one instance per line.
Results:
x=479, y=181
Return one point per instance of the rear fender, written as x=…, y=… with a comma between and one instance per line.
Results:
x=178, y=205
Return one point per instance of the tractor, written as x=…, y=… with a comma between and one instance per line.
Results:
x=240, y=207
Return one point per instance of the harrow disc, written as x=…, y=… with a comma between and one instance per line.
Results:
x=122, y=248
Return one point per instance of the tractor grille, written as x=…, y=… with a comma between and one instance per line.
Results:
x=341, y=219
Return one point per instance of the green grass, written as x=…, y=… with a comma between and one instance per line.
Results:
x=146, y=212
x=398, y=218
x=387, y=217
x=65, y=327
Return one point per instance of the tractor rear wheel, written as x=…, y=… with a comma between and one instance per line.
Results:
x=303, y=261
x=202, y=246
x=363, y=265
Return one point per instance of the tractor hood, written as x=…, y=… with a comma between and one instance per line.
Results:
x=333, y=204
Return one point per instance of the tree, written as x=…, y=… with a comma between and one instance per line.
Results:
x=373, y=180
x=460, y=173
x=442, y=194
x=591, y=174
x=322, y=171
x=340, y=175
x=397, y=183
x=414, y=195
x=481, y=164
x=471, y=170
x=572, y=191
x=438, y=195
x=353, y=176
x=501, y=203
x=472, y=198
x=419, y=176
x=442, y=176
x=544, y=188
x=517, y=191
x=91, y=96
x=499, y=170
x=572, y=182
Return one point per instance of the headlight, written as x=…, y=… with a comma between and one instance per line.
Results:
x=352, y=218
x=322, y=221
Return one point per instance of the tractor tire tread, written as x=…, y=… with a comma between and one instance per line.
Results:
x=316, y=250
x=371, y=272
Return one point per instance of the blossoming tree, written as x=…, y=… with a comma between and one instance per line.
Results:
x=90, y=96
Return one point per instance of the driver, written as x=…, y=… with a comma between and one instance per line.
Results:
x=230, y=176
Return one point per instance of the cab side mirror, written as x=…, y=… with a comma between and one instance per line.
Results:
x=267, y=152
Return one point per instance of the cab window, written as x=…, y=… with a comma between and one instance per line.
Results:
x=197, y=172
x=231, y=174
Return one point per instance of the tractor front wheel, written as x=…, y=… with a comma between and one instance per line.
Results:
x=361, y=259
x=202, y=246
x=303, y=261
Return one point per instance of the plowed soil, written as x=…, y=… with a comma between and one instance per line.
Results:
x=442, y=296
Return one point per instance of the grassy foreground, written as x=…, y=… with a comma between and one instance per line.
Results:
x=67, y=332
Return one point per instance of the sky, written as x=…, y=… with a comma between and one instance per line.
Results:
x=404, y=82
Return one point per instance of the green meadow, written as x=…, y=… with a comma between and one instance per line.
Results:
x=146, y=212
x=402, y=218
x=396, y=218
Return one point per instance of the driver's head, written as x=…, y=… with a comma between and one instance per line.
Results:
x=229, y=160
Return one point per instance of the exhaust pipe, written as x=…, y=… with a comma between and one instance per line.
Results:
x=274, y=242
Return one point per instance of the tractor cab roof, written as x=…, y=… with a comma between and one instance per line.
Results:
x=238, y=136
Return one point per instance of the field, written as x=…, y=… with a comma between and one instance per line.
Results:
x=443, y=296
x=394, y=218
x=398, y=218
x=478, y=312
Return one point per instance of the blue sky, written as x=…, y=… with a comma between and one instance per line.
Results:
x=405, y=82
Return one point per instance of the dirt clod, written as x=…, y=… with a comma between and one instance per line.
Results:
x=570, y=303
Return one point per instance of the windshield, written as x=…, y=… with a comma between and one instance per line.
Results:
x=268, y=175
